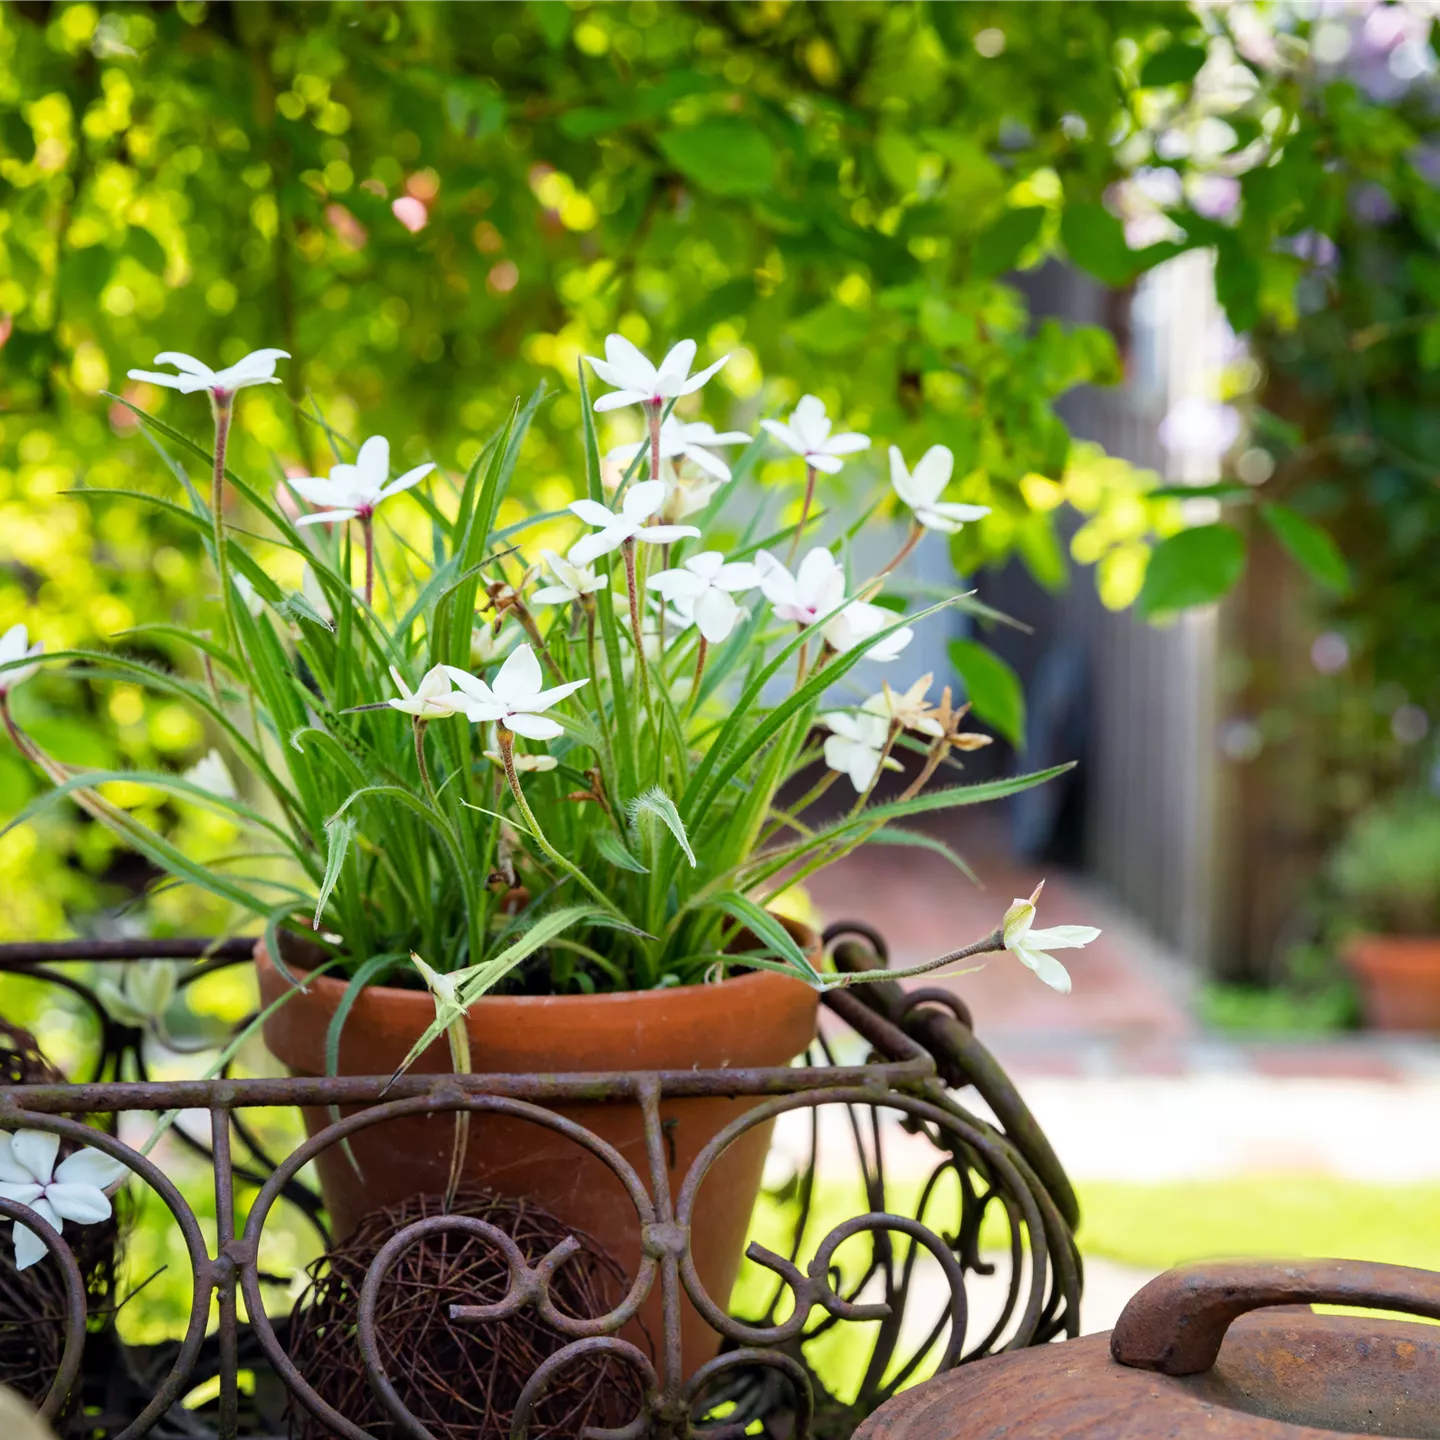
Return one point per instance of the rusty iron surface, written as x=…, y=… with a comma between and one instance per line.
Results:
x=920, y=1057
x=1188, y=1358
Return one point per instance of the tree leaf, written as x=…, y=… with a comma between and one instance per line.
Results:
x=999, y=247
x=1311, y=548
x=1194, y=567
x=992, y=687
x=1177, y=64
x=726, y=155
x=656, y=802
x=1096, y=242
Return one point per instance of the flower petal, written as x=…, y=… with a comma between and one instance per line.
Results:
x=1063, y=937
x=35, y=1150
x=711, y=464
x=186, y=364
x=810, y=422
x=696, y=381
x=1047, y=967
x=546, y=698
x=666, y=534
x=84, y=1204
x=618, y=399
x=11, y=1170
x=552, y=595
x=409, y=478
x=372, y=464
x=471, y=685
x=636, y=371
x=932, y=473
x=318, y=491
x=848, y=444
x=29, y=1247
x=186, y=384
x=534, y=727
x=605, y=371
x=784, y=434
x=738, y=575
x=643, y=500
x=518, y=682
x=592, y=547
x=592, y=512
x=716, y=613
x=325, y=517
x=819, y=461
x=90, y=1167
x=677, y=362
x=22, y=1192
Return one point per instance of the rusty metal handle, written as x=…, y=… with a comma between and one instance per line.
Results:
x=1177, y=1322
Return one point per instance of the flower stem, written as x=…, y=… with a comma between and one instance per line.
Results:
x=700, y=655
x=368, y=526
x=652, y=414
x=804, y=512
x=425, y=779
x=863, y=800
x=917, y=532
x=994, y=941
x=223, y=408
x=506, y=739
x=633, y=584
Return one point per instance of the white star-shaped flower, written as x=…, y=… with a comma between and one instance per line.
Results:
x=257, y=368
x=15, y=645
x=612, y=530
x=703, y=591
x=1030, y=946
x=807, y=433
x=572, y=581
x=694, y=440
x=906, y=708
x=922, y=488
x=487, y=645
x=143, y=995
x=432, y=699
x=638, y=382
x=516, y=699
x=814, y=591
x=351, y=492
x=74, y=1191
x=855, y=745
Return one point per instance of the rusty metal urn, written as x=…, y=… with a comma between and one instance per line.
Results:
x=1217, y=1352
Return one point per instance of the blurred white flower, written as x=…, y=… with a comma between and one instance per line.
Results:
x=855, y=745
x=1197, y=424
x=257, y=368
x=703, y=590
x=638, y=382
x=857, y=622
x=74, y=1191
x=352, y=492
x=807, y=433
x=906, y=708
x=922, y=488
x=640, y=503
x=572, y=581
x=538, y=763
x=15, y=645
x=1030, y=946
x=432, y=699
x=516, y=699
x=694, y=440
x=211, y=774
x=143, y=995
x=487, y=646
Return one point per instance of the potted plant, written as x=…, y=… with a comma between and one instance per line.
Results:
x=540, y=787
x=1386, y=875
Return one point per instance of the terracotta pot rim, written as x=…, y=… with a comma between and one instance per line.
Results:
x=398, y=994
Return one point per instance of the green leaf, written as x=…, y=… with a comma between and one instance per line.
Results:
x=1194, y=567
x=1177, y=64
x=612, y=847
x=919, y=840
x=769, y=931
x=338, y=835
x=726, y=155
x=656, y=802
x=992, y=687
x=1095, y=240
x=999, y=247
x=1312, y=548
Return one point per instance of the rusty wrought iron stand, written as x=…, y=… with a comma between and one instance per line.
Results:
x=923, y=1054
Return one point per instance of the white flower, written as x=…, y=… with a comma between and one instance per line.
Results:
x=433, y=698
x=855, y=746
x=1029, y=946
x=638, y=382
x=487, y=646
x=516, y=698
x=906, y=708
x=694, y=440
x=257, y=368
x=703, y=589
x=210, y=773
x=75, y=1191
x=15, y=645
x=537, y=763
x=144, y=993
x=807, y=433
x=640, y=503
x=574, y=581
x=814, y=591
x=352, y=492
x=922, y=488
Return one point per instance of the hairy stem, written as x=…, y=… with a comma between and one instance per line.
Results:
x=804, y=512
x=223, y=407
x=368, y=526
x=994, y=941
x=917, y=533
x=425, y=779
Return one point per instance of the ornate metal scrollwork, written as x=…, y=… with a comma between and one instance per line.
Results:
x=911, y=1089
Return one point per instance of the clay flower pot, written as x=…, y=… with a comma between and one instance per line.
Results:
x=1399, y=980
x=756, y=1019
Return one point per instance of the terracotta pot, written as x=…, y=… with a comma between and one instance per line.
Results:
x=756, y=1019
x=1399, y=979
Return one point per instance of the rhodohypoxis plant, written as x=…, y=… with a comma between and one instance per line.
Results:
x=550, y=755
x=74, y=1190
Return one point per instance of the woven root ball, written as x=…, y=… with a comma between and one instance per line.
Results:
x=32, y=1301
x=460, y=1380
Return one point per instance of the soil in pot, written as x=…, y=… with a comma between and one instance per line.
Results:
x=755, y=1019
x=1399, y=980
